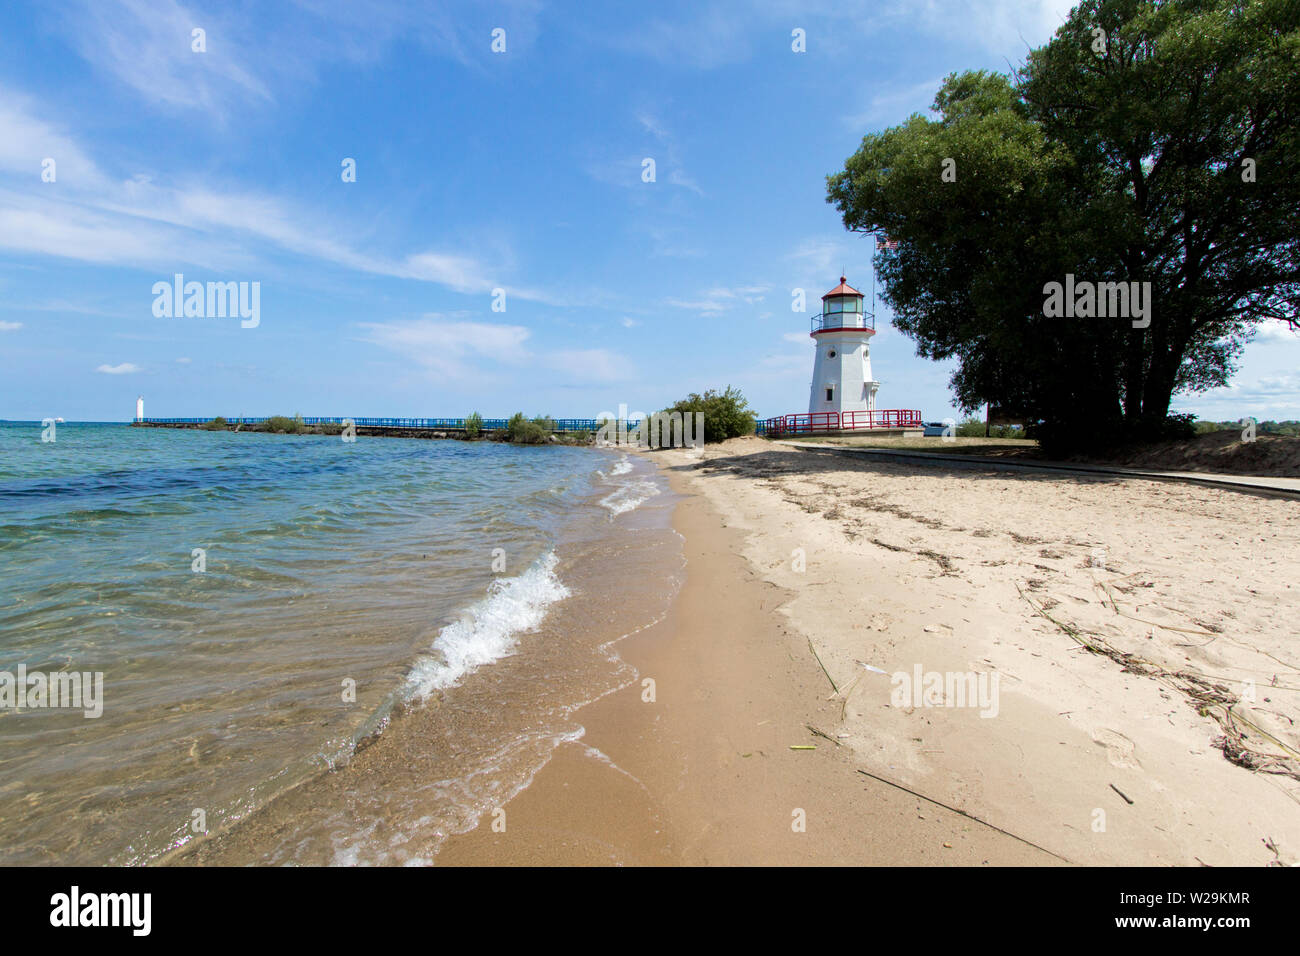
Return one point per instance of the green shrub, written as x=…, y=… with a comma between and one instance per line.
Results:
x=521, y=431
x=473, y=425
x=329, y=428
x=217, y=424
x=726, y=414
x=974, y=428
x=1289, y=429
x=281, y=423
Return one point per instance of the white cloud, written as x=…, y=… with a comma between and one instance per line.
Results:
x=1000, y=26
x=1263, y=397
x=67, y=305
x=587, y=366
x=72, y=231
x=457, y=272
x=88, y=216
x=825, y=260
x=126, y=368
x=10, y=326
x=672, y=241
x=460, y=350
x=712, y=37
x=435, y=337
x=720, y=299
x=26, y=140
x=678, y=178
x=183, y=361
x=626, y=170
x=892, y=105
x=1274, y=330
x=629, y=323
x=146, y=44
x=718, y=35
x=451, y=350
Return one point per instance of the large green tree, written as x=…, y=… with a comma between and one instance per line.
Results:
x=1146, y=142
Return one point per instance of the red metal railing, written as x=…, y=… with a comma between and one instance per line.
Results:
x=812, y=423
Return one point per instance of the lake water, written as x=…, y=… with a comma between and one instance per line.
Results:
x=258, y=604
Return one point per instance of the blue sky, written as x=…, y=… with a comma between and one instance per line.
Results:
x=475, y=171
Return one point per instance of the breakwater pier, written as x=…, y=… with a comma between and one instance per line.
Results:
x=392, y=427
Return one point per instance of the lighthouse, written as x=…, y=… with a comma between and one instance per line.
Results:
x=841, y=379
x=139, y=408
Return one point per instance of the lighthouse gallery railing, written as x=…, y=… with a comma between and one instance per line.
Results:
x=833, y=321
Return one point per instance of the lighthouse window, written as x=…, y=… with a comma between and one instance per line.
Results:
x=830, y=354
x=830, y=394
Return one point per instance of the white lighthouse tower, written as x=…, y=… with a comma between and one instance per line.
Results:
x=841, y=379
x=139, y=408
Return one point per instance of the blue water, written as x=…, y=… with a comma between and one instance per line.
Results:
x=325, y=563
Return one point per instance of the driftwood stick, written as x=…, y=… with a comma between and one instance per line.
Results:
x=963, y=813
x=820, y=734
x=822, y=666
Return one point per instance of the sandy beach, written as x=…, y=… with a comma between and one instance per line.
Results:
x=704, y=774
x=1142, y=636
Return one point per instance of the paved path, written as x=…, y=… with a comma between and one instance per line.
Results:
x=1265, y=484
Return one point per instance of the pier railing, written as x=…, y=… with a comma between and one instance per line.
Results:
x=815, y=422
x=435, y=424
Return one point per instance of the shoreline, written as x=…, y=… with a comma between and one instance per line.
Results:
x=770, y=734
x=705, y=774
x=1094, y=760
x=450, y=756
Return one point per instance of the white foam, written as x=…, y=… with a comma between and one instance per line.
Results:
x=487, y=631
x=628, y=496
x=621, y=467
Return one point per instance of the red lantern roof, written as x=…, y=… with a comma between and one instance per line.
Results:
x=842, y=289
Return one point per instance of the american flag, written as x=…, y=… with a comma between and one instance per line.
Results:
x=886, y=243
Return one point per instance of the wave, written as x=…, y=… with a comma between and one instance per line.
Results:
x=621, y=467
x=487, y=631
x=629, y=496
